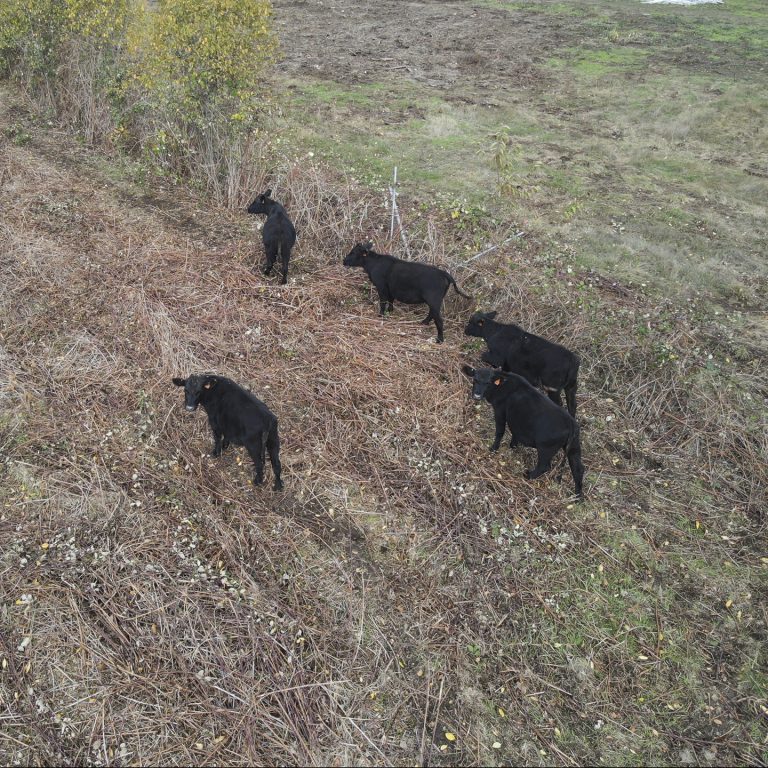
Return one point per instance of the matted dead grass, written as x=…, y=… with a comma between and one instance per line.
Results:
x=406, y=587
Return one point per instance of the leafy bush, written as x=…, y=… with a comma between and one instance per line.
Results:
x=183, y=83
x=63, y=52
x=200, y=68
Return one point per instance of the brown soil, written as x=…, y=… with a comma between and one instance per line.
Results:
x=460, y=49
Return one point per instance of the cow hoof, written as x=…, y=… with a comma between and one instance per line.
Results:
x=527, y=474
x=216, y=453
x=258, y=480
x=278, y=486
x=440, y=339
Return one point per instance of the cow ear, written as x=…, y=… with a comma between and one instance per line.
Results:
x=268, y=193
x=179, y=382
x=491, y=315
x=468, y=370
x=367, y=246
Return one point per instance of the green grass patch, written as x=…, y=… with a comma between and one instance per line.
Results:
x=598, y=63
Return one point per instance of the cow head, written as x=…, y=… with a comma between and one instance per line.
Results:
x=262, y=203
x=477, y=323
x=484, y=380
x=195, y=389
x=357, y=255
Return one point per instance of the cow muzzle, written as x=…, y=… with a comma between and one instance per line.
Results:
x=191, y=407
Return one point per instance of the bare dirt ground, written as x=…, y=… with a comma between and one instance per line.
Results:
x=472, y=51
x=456, y=47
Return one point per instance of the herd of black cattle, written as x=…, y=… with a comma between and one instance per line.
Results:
x=521, y=363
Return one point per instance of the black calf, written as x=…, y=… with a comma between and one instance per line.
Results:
x=541, y=362
x=533, y=419
x=279, y=235
x=408, y=281
x=235, y=416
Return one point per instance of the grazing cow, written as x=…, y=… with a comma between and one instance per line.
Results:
x=235, y=416
x=408, y=281
x=543, y=363
x=279, y=234
x=533, y=419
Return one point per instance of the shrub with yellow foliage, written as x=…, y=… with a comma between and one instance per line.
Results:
x=201, y=70
x=183, y=82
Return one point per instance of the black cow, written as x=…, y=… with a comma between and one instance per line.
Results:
x=236, y=416
x=543, y=363
x=408, y=281
x=533, y=419
x=279, y=234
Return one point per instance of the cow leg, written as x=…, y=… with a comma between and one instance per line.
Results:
x=224, y=444
x=501, y=425
x=576, y=465
x=561, y=466
x=273, y=446
x=286, y=255
x=513, y=442
x=255, y=447
x=428, y=319
x=217, y=444
x=271, y=252
x=384, y=300
x=554, y=396
x=570, y=398
x=545, y=456
x=435, y=312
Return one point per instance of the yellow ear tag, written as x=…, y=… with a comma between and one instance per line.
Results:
x=497, y=382
x=207, y=386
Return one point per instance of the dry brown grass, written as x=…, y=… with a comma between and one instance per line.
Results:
x=405, y=585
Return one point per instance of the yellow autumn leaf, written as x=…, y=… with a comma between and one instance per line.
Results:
x=450, y=736
x=502, y=713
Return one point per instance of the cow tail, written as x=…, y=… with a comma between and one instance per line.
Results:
x=456, y=288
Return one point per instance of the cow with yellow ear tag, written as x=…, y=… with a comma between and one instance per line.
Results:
x=235, y=416
x=533, y=420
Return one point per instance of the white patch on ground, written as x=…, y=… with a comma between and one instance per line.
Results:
x=683, y=2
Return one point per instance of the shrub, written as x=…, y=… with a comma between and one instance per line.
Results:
x=201, y=70
x=183, y=83
x=63, y=52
